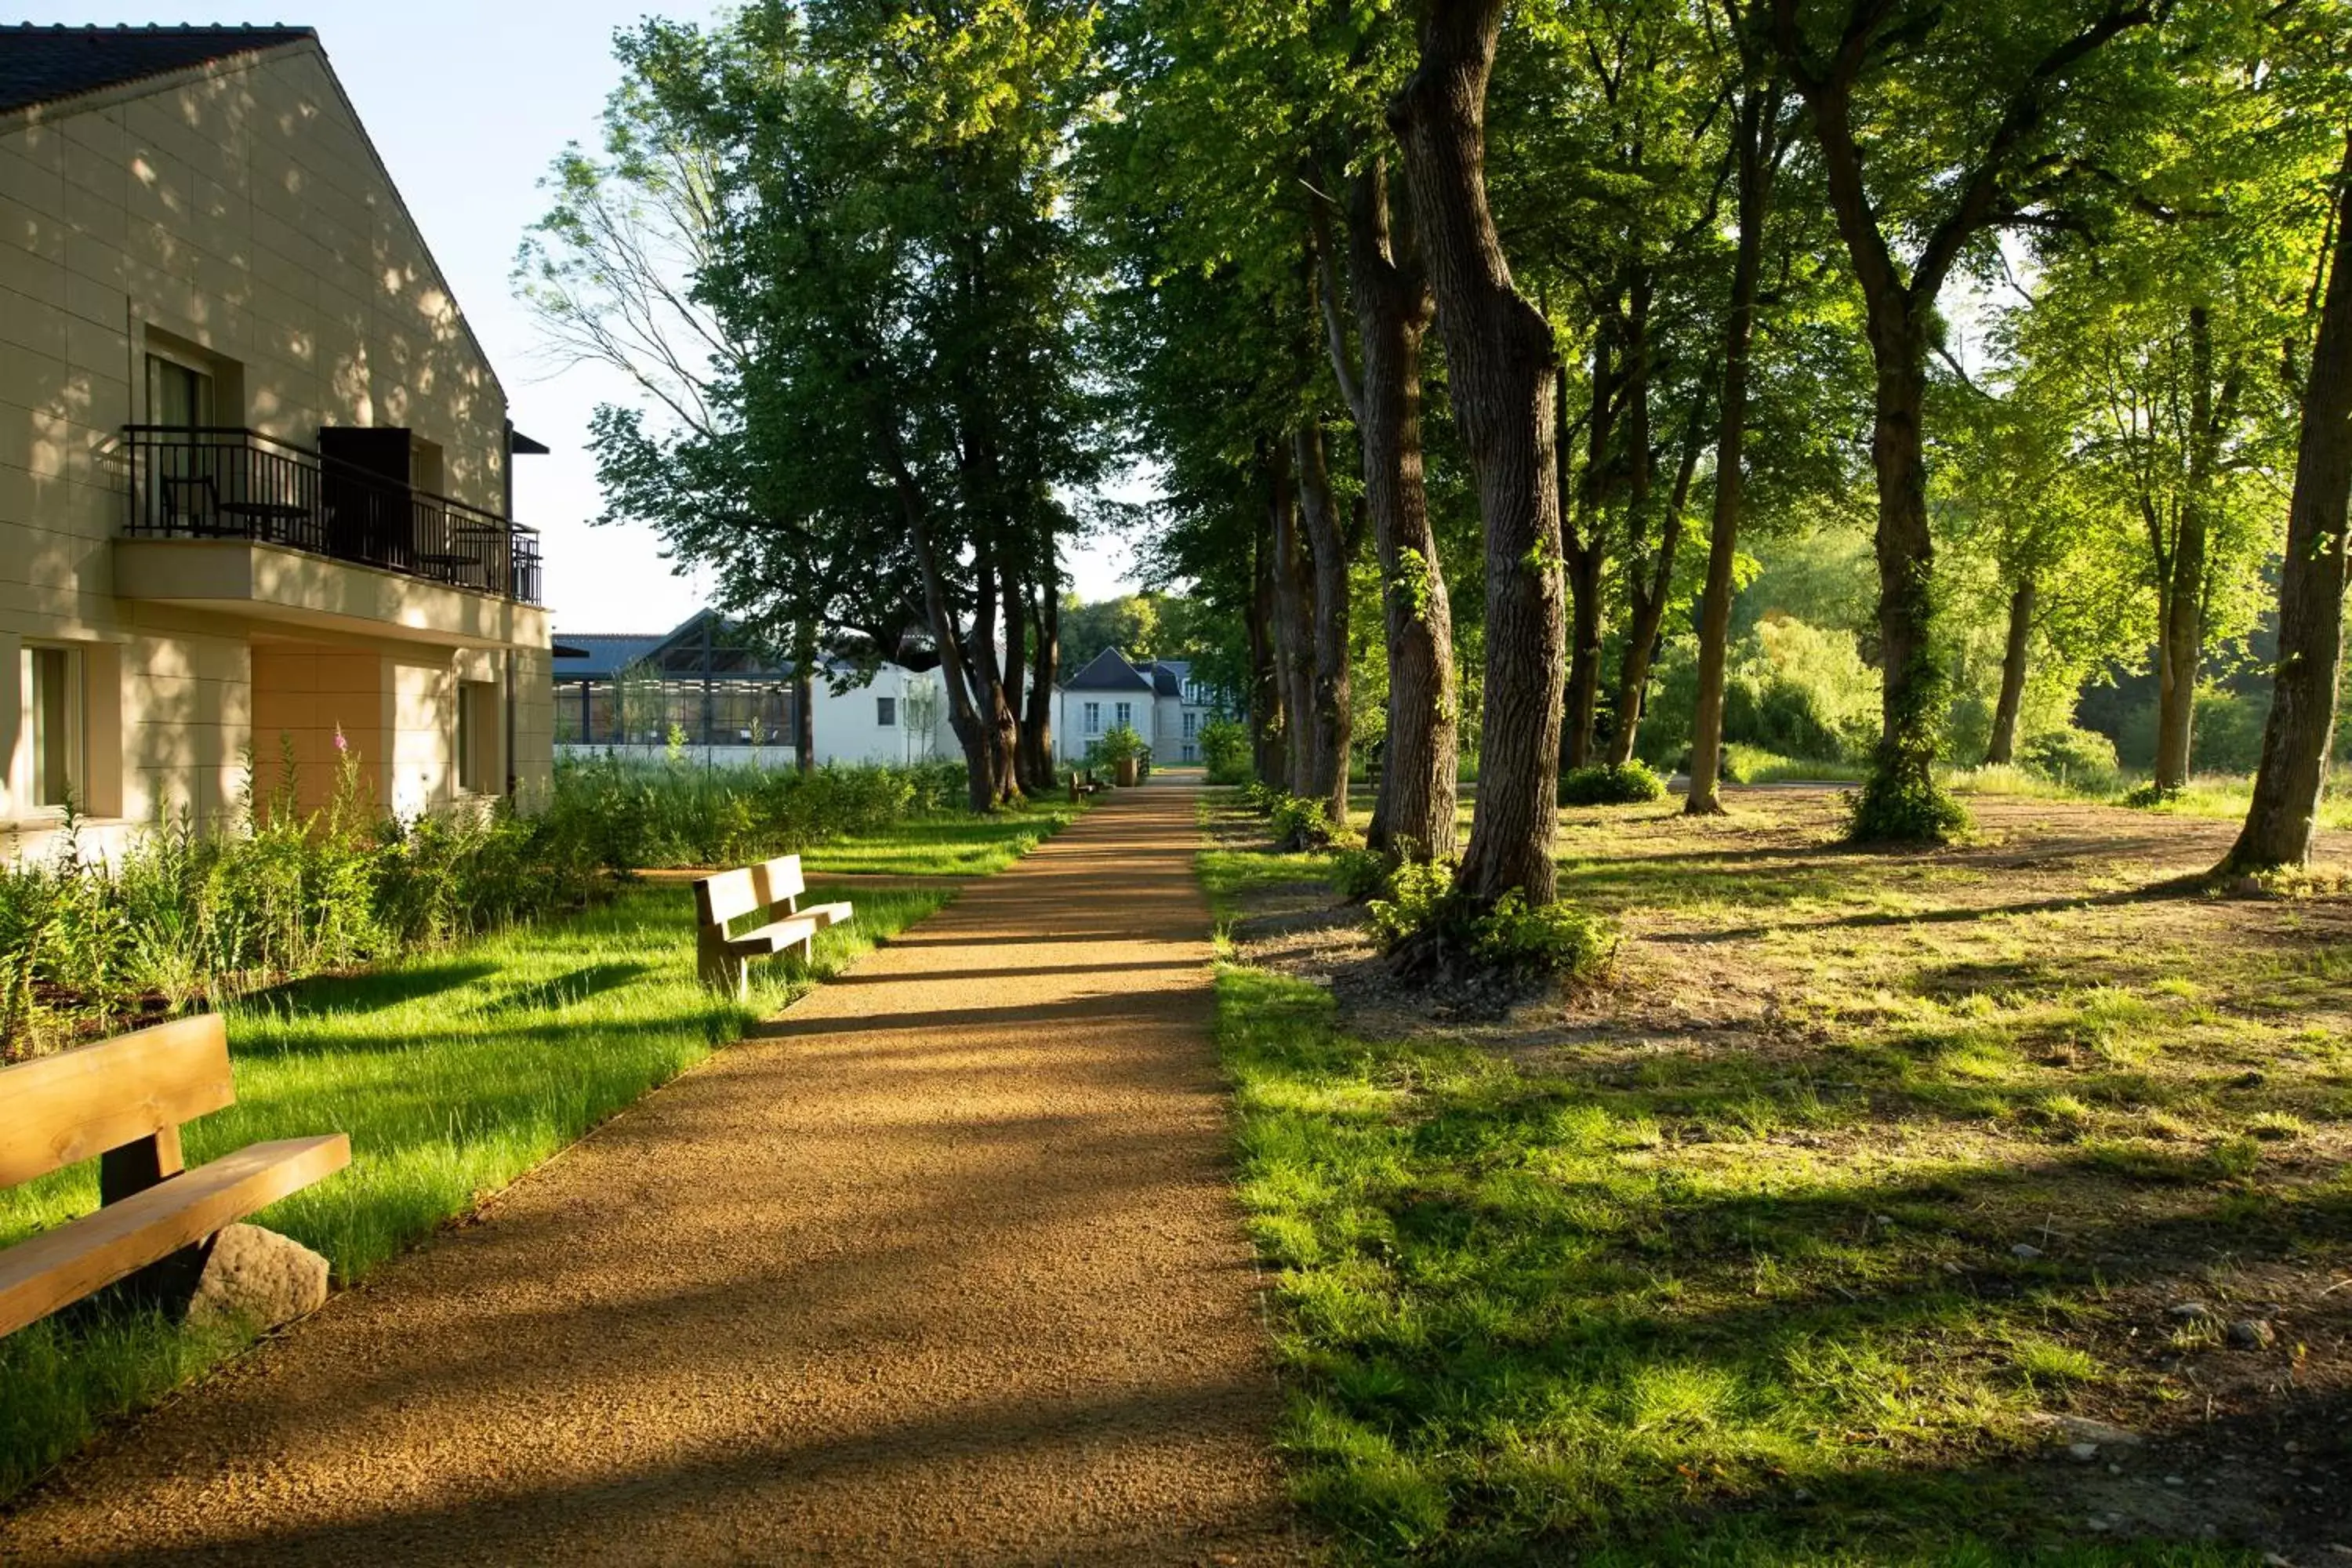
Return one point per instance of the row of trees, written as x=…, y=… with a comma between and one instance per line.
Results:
x=1720, y=260
x=2057, y=286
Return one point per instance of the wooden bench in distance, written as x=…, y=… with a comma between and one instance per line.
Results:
x=123, y=1100
x=772, y=890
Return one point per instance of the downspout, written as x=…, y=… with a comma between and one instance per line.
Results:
x=506, y=470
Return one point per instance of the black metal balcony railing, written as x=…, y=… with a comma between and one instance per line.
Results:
x=228, y=482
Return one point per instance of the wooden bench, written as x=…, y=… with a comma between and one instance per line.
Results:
x=772, y=890
x=123, y=1100
x=1082, y=782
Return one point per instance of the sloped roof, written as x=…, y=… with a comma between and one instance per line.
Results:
x=602, y=653
x=42, y=65
x=1109, y=671
x=1167, y=679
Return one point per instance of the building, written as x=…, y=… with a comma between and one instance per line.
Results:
x=727, y=701
x=255, y=484
x=1159, y=699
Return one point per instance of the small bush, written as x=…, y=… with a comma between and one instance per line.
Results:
x=1610, y=783
x=2082, y=759
x=1548, y=942
x=1116, y=745
x=1300, y=824
x=1225, y=748
x=1887, y=810
x=1260, y=797
x=1357, y=875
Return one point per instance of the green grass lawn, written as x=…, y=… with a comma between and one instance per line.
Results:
x=454, y=1072
x=1720, y=1264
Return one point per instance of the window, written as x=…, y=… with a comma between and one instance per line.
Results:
x=1094, y=718
x=1190, y=722
x=177, y=395
x=886, y=712
x=478, y=729
x=52, y=687
x=1126, y=715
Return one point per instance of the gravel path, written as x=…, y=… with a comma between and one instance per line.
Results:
x=942, y=1267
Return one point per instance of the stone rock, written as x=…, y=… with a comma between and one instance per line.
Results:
x=2083, y=1452
x=259, y=1277
x=2082, y=1429
x=2025, y=1252
x=2251, y=1334
x=2189, y=1312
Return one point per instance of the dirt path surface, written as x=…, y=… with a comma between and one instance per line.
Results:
x=944, y=1268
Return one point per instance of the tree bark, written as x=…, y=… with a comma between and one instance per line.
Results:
x=2002, y=751
x=1331, y=552
x=1759, y=112
x=1649, y=596
x=804, y=666
x=2283, y=819
x=1037, y=727
x=1016, y=660
x=955, y=678
x=1414, y=817
x=1266, y=671
x=1499, y=356
x=1294, y=637
x=987, y=681
x=2180, y=617
x=1585, y=549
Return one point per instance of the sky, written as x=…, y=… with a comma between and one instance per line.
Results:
x=468, y=103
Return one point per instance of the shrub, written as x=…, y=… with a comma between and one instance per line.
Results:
x=1260, y=797
x=1117, y=745
x=2084, y=759
x=1225, y=748
x=636, y=815
x=1549, y=943
x=1357, y=875
x=1300, y=824
x=184, y=918
x=1884, y=811
x=1611, y=783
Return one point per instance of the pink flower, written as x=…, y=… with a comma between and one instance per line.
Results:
x=341, y=745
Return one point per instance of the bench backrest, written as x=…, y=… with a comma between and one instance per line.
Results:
x=729, y=896
x=58, y=1110
x=779, y=880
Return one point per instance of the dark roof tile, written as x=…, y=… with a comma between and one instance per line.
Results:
x=42, y=65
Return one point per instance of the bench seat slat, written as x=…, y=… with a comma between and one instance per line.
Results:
x=774, y=938
x=59, y=1266
x=829, y=915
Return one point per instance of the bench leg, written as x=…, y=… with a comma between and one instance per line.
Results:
x=723, y=971
x=168, y=1283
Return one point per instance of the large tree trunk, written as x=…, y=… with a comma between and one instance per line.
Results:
x=1016, y=660
x=1650, y=594
x=1046, y=656
x=1331, y=548
x=955, y=678
x=1585, y=549
x=988, y=682
x=1266, y=672
x=804, y=666
x=1294, y=634
x=1499, y=356
x=1419, y=763
x=1914, y=687
x=2297, y=738
x=1758, y=120
x=2003, y=748
x=2181, y=616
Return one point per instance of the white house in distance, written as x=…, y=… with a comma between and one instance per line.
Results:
x=1159, y=699
x=626, y=694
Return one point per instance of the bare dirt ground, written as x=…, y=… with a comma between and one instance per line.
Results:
x=944, y=1268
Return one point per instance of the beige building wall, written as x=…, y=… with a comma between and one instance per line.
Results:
x=233, y=219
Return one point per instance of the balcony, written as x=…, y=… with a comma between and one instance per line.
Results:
x=227, y=483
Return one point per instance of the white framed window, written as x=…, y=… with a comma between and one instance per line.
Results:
x=1094, y=718
x=1192, y=723
x=886, y=712
x=1126, y=715
x=51, y=682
